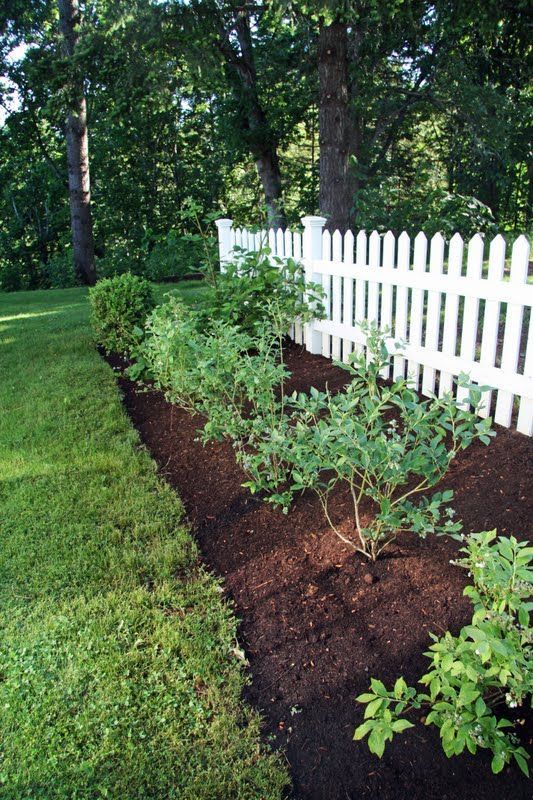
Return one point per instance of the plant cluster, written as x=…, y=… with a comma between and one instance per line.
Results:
x=119, y=307
x=225, y=362
x=387, y=444
x=258, y=285
x=233, y=378
x=486, y=667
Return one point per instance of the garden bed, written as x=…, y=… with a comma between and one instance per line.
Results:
x=318, y=621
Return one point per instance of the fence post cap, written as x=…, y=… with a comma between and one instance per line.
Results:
x=224, y=223
x=313, y=222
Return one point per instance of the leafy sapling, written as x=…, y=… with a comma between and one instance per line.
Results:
x=258, y=287
x=387, y=445
x=475, y=675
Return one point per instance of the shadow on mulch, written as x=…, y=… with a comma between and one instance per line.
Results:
x=317, y=622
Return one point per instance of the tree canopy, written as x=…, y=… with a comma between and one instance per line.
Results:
x=391, y=115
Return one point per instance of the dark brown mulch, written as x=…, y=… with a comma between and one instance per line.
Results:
x=317, y=622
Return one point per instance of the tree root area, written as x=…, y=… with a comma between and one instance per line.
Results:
x=317, y=621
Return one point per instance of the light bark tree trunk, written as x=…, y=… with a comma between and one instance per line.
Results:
x=77, y=151
x=337, y=182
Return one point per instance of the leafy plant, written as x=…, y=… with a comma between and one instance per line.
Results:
x=163, y=354
x=487, y=666
x=233, y=379
x=257, y=287
x=119, y=306
x=386, y=443
x=58, y=272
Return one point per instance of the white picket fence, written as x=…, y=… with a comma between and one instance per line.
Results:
x=453, y=312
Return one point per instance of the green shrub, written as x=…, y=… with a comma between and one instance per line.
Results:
x=12, y=277
x=120, y=257
x=257, y=287
x=174, y=256
x=487, y=666
x=231, y=377
x=386, y=206
x=119, y=306
x=59, y=271
x=386, y=444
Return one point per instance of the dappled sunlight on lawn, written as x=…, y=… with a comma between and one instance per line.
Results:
x=28, y=315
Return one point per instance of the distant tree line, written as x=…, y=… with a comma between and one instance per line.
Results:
x=119, y=116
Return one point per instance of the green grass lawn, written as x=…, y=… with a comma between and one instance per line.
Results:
x=118, y=676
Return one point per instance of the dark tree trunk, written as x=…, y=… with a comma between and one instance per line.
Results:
x=77, y=153
x=337, y=184
x=267, y=164
x=261, y=141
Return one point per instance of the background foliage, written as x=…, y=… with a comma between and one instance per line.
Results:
x=440, y=95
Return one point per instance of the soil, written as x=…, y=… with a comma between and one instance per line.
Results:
x=317, y=622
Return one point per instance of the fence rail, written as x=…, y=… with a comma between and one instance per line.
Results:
x=456, y=307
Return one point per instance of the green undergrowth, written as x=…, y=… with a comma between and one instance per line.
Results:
x=119, y=671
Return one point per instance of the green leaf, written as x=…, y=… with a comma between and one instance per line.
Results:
x=373, y=707
x=400, y=687
x=376, y=742
x=497, y=763
x=366, y=697
x=401, y=725
x=362, y=730
x=522, y=763
x=377, y=686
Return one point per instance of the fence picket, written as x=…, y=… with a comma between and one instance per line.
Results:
x=336, y=295
x=360, y=283
x=513, y=330
x=385, y=322
x=347, y=297
x=287, y=244
x=474, y=267
x=280, y=243
x=373, y=286
x=326, y=285
x=436, y=262
x=417, y=308
x=491, y=320
x=402, y=300
x=451, y=310
x=524, y=422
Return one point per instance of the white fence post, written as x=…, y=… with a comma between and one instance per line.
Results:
x=225, y=244
x=312, y=251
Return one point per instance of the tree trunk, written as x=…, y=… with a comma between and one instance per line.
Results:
x=260, y=138
x=77, y=152
x=267, y=164
x=336, y=178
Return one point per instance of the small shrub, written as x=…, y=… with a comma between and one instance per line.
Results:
x=173, y=256
x=235, y=380
x=12, y=277
x=58, y=273
x=257, y=287
x=164, y=355
x=119, y=307
x=486, y=667
x=386, y=443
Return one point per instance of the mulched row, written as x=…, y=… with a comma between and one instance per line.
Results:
x=317, y=621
